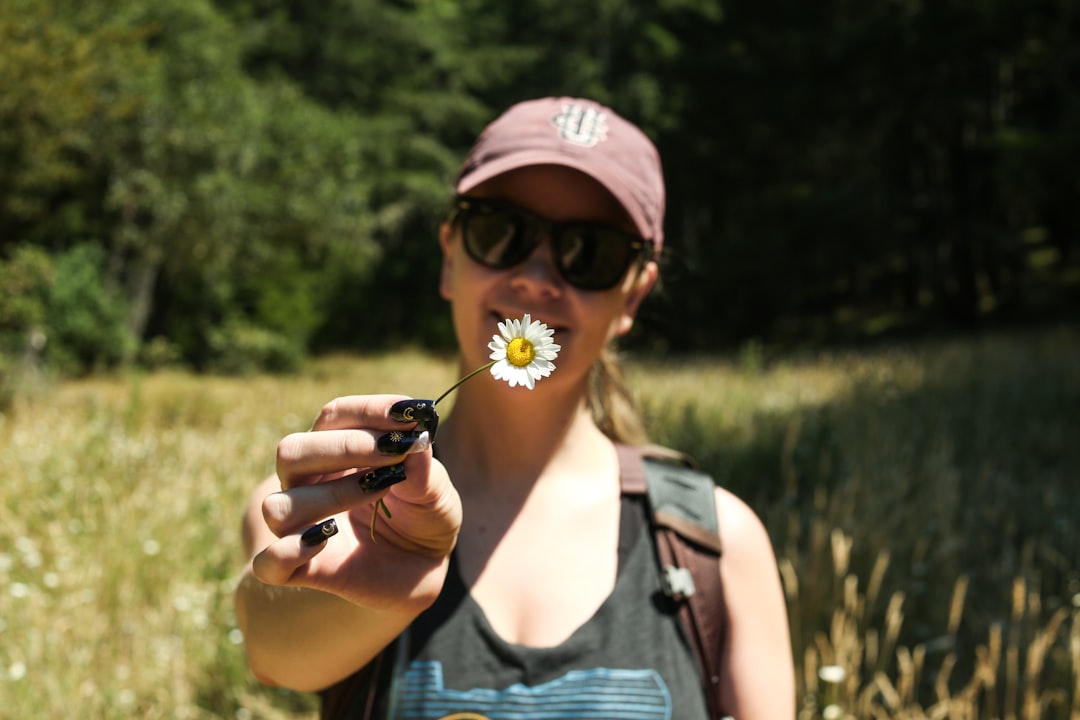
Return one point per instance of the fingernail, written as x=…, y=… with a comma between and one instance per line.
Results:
x=382, y=477
x=403, y=443
x=412, y=410
x=318, y=534
x=431, y=426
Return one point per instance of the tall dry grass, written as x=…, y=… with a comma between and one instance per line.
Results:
x=922, y=501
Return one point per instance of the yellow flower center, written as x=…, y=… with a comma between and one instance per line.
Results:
x=520, y=352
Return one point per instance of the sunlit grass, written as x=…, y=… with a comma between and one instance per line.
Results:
x=922, y=501
x=119, y=535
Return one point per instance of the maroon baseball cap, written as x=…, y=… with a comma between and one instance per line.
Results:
x=579, y=134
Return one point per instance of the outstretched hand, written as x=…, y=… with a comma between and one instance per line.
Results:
x=360, y=451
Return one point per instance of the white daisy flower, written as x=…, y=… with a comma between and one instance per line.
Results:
x=523, y=352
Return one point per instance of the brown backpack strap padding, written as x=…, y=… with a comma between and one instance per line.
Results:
x=660, y=452
x=682, y=544
x=631, y=470
x=688, y=530
x=701, y=613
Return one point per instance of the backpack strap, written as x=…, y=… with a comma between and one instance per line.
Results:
x=682, y=505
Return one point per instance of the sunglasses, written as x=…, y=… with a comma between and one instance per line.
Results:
x=590, y=256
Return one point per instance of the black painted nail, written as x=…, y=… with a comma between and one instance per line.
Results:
x=401, y=443
x=431, y=426
x=382, y=477
x=318, y=534
x=421, y=411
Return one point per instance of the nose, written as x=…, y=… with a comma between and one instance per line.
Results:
x=539, y=269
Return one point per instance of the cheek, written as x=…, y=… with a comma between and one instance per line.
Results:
x=450, y=267
x=456, y=280
x=602, y=321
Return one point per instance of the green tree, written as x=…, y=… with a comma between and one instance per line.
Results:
x=208, y=191
x=403, y=72
x=26, y=275
x=59, y=96
x=270, y=175
x=86, y=322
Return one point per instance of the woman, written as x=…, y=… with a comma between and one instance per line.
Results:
x=500, y=579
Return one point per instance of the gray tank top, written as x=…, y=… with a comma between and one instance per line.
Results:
x=630, y=661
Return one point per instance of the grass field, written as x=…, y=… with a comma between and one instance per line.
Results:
x=923, y=500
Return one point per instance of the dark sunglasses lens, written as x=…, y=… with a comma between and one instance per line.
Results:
x=594, y=258
x=494, y=237
x=590, y=257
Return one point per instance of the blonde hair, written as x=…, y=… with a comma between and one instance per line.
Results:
x=611, y=403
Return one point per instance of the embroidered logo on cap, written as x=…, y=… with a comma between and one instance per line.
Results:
x=581, y=125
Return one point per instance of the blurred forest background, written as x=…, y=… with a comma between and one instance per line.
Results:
x=235, y=185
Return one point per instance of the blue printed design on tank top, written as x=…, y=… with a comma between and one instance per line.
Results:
x=594, y=694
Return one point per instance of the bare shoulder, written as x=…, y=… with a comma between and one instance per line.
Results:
x=741, y=531
x=757, y=672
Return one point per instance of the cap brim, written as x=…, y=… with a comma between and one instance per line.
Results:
x=622, y=194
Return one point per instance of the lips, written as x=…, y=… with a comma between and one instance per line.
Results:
x=498, y=318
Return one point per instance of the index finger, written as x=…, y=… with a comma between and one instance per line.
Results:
x=358, y=411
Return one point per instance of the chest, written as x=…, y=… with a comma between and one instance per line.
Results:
x=542, y=576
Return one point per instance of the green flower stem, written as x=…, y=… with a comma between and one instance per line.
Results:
x=454, y=387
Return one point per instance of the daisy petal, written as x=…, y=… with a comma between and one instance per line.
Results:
x=523, y=352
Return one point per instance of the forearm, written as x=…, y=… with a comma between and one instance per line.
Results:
x=306, y=639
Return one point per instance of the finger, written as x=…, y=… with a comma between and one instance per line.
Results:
x=422, y=484
x=353, y=411
x=426, y=509
x=282, y=561
x=286, y=511
x=303, y=456
x=291, y=510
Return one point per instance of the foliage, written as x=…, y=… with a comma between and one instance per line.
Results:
x=835, y=172
x=850, y=177
x=85, y=328
x=239, y=348
x=207, y=191
x=26, y=278
x=61, y=310
x=918, y=498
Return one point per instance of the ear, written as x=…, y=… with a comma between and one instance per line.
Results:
x=446, y=243
x=642, y=284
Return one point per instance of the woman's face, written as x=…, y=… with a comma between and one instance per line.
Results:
x=584, y=320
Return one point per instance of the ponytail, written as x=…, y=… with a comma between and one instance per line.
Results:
x=613, y=407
